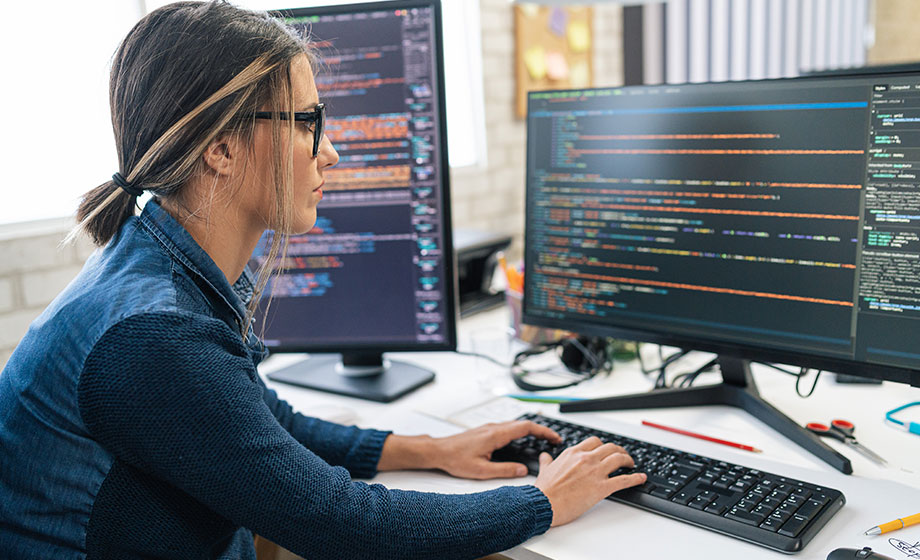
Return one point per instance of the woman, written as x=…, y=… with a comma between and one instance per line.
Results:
x=132, y=420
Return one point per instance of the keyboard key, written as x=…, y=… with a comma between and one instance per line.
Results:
x=693, y=462
x=709, y=495
x=752, y=497
x=771, y=524
x=777, y=496
x=745, y=505
x=708, y=478
x=717, y=509
x=674, y=483
x=819, y=497
x=794, y=526
x=795, y=500
x=682, y=498
x=745, y=517
x=809, y=509
x=740, y=486
x=699, y=502
x=724, y=483
x=772, y=503
x=781, y=516
x=662, y=492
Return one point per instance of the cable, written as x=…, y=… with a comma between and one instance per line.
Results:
x=802, y=374
x=687, y=379
x=661, y=378
x=597, y=361
x=484, y=357
x=777, y=368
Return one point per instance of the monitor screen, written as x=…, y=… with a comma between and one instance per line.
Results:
x=776, y=220
x=376, y=272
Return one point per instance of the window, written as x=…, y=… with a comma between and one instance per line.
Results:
x=64, y=53
x=57, y=127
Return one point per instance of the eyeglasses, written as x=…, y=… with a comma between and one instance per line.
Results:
x=315, y=120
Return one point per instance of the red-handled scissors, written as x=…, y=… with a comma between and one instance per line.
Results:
x=842, y=430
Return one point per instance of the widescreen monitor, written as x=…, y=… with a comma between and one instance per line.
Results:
x=774, y=220
x=375, y=274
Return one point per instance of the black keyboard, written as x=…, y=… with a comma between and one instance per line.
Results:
x=763, y=508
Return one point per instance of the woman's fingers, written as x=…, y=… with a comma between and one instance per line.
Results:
x=617, y=460
x=617, y=483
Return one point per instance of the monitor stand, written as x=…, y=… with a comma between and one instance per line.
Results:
x=363, y=375
x=737, y=389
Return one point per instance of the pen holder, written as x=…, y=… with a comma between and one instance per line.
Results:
x=528, y=333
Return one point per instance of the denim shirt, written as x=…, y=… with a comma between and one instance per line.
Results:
x=133, y=424
x=152, y=264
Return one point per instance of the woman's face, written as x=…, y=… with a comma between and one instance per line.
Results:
x=308, y=171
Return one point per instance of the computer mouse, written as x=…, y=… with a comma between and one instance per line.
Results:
x=864, y=553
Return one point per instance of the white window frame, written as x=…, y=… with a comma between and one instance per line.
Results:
x=59, y=133
x=58, y=140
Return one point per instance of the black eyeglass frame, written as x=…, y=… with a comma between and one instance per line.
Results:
x=316, y=116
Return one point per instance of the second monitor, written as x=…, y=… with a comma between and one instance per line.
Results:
x=776, y=220
x=376, y=273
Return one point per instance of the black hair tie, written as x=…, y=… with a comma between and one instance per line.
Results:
x=119, y=180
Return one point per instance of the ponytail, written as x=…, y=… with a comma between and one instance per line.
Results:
x=102, y=211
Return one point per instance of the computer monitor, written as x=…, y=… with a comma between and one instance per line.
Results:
x=376, y=273
x=774, y=220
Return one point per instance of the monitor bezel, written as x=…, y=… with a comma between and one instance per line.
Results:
x=720, y=347
x=450, y=259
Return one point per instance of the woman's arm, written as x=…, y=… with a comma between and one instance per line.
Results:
x=176, y=397
x=343, y=446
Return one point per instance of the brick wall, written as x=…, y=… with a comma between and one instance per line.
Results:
x=34, y=267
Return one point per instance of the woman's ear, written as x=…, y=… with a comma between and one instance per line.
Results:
x=222, y=154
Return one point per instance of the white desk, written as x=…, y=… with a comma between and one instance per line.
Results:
x=874, y=494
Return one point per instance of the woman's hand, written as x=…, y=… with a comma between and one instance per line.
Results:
x=580, y=477
x=573, y=483
x=465, y=455
x=469, y=454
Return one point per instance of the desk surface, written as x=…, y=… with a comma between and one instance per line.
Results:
x=465, y=390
